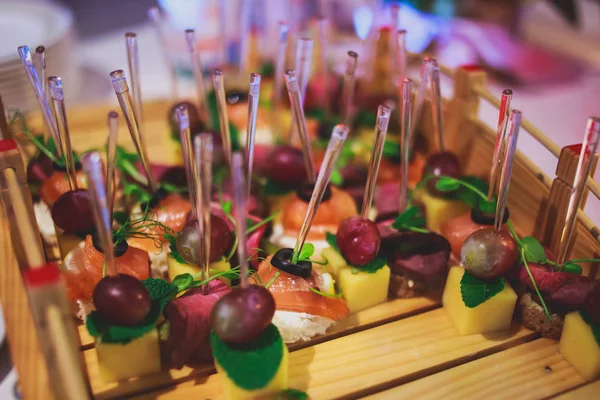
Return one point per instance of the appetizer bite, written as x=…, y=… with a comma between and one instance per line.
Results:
x=353, y=258
x=477, y=298
x=306, y=298
x=481, y=216
x=249, y=352
x=418, y=259
x=556, y=288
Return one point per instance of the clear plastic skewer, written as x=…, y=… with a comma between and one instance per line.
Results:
x=323, y=70
x=395, y=13
x=239, y=202
x=155, y=17
x=111, y=159
x=381, y=127
x=405, y=141
x=219, y=85
x=201, y=93
x=40, y=55
x=436, y=105
x=92, y=165
x=185, y=134
x=509, y=156
x=401, y=55
x=336, y=142
x=122, y=91
x=253, y=96
x=300, y=122
x=133, y=60
x=203, y=148
x=303, y=64
x=25, y=55
x=500, y=145
x=584, y=165
x=278, y=79
x=58, y=103
x=420, y=96
x=348, y=87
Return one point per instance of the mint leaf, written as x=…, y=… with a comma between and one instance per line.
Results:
x=307, y=250
x=373, y=266
x=336, y=177
x=588, y=320
x=272, y=188
x=173, y=247
x=364, y=118
x=291, y=394
x=533, y=250
x=446, y=184
x=410, y=219
x=159, y=289
x=183, y=281
x=332, y=241
x=486, y=206
x=475, y=291
x=391, y=149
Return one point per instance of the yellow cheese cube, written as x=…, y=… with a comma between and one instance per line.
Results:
x=578, y=346
x=335, y=261
x=438, y=210
x=363, y=290
x=66, y=242
x=139, y=357
x=493, y=315
x=177, y=268
x=277, y=384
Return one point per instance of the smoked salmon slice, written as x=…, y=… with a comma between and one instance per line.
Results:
x=292, y=293
x=83, y=269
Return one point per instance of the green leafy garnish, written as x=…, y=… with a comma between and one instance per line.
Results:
x=337, y=295
x=364, y=118
x=411, y=219
x=475, y=291
x=533, y=250
x=447, y=184
x=373, y=266
x=251, y=365
x=160, y=291
x=214, y=113
x=588, y=320
x=306, y=252
x=291, y=394
x=272, y=188
x=391, y=148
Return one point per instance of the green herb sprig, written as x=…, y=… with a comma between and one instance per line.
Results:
x=469, y=189
x=411, y=220
x=371, y=267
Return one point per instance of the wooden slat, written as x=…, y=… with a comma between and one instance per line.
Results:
x=590, y=391
x=518, y=373
x=363, y=363
x=378, y=315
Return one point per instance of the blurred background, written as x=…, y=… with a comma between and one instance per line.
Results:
x=547, y=51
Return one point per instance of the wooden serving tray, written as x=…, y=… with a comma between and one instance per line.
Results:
x=404, y=348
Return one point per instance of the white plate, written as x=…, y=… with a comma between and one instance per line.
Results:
x=32, y=24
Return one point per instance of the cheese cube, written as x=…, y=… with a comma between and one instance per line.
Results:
x=177, y=268
x=362, y=290
x=277, y=384
x=438, y=210
x=67, y=242
x=335, y=261
x=139, y=357
x=493, y=315
x=578, y=346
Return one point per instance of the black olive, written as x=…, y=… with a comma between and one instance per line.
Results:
x=281, y=260
x=160, y=194
x=120, y=248
x=482, y=218
x=305, y=192
x=236, y=96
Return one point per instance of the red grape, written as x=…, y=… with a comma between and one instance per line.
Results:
x=287, y=166
x=242, y=315
x=122, y=299
x=441, y=164
x=358, y=240
x=188, y=241
x=488, y=253
x=72, y=212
